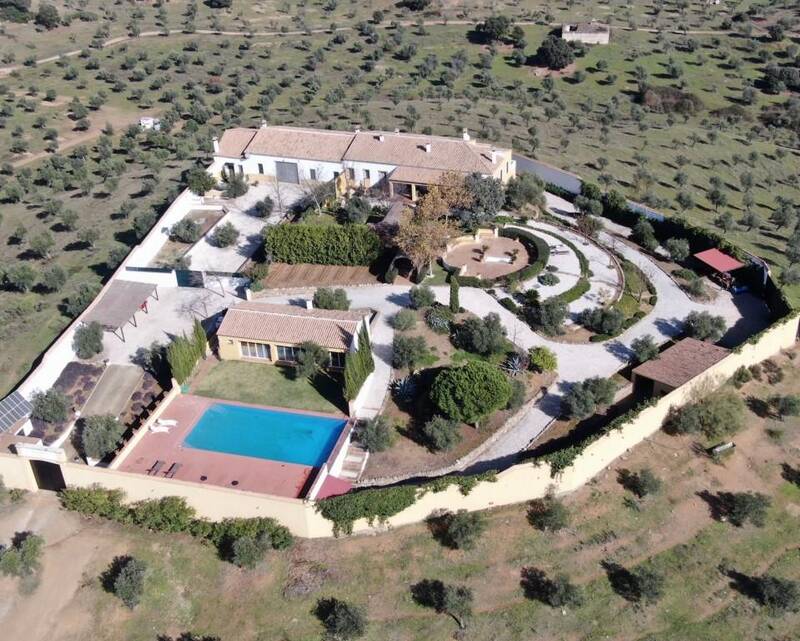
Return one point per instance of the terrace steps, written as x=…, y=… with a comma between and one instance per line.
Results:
x=355, y=460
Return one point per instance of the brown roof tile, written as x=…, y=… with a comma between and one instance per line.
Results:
x=235, y=141
x=291, y=325
x=683, y=361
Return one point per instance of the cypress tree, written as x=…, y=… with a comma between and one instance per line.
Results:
x=199, y=338
x=455, y=304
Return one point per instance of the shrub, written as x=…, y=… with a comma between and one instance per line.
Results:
x=129, y=582
x=311, y=360
x=644, y=348
x=470, y=392
x=641, y=483
x=644, y=235
x=327, y=298
x=788, y=405
x=248, y=551
x=718, y=414
x=548, y=278
x=441, y=434
x=22, y=557
x=548, y=514
x=421, y=296
x=463, y=529
x=678, y=249
x=404, y=320
x=185, y=231
x=391, y=275
x=438, y=319
x=200, y=181
x=482, y=336
x=776, y=594
x=322, y=244
x=357, y=210
x=549, y=315
x=583, y=398
x=235, y=186
x=51, y=406
x=741, y=376
x=603, y=320
x=517, y=397
x=225, y=235
x=342, y=621
x=741, y=507
x=704, y=326
x=376, y=434
x=455, y=304
x=542, y=359
x=408, y=351
x=100, y=435
x=264, y=207
x=88, y=340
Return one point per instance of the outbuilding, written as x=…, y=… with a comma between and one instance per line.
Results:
x=675, y=366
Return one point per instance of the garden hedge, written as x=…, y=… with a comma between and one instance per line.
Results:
x=322, y=244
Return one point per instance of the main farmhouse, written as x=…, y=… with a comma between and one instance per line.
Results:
x=398, y=164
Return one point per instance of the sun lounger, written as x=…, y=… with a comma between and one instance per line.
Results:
x=159, y=428
x=173, y=470
x=155, y=468
x=167, y=421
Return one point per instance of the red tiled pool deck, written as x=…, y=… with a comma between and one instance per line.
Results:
x=215, y=468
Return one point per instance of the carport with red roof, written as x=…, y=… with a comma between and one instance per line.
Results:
x=719, y=265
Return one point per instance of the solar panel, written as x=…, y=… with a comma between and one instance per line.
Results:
x=13, y=408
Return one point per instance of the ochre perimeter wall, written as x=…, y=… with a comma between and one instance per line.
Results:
x=517, y=484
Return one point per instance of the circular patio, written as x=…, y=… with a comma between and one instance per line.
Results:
x=488, y=257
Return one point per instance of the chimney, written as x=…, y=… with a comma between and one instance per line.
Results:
x=263, y=123
x=494, y=156
x=309, y=304
x=380, y=138
x=358, y=130
x=465, y=134
x=215, y=142
x=397, y=130
x=427, y=147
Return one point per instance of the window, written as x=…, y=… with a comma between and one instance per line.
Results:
x=366, y=174
x=335, y=175
x=260, y=168
x=351, y=173
x=255, y=350
x=382, y=175
x=287, y=353
x=312, y=174
x=337, y=359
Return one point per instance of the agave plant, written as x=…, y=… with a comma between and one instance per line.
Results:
x=404, y=389
x=438, y=320
x=515, y=364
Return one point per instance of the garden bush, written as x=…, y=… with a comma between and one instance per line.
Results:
x=548, y=278
x=483, y=336
x=327, y=298
x=719, y=414
x=88, y=340
x=421, y=296
x=608, y=321
x=185, y=231
x=129, y=581
x=471, y=392
x=100, y=435
x=376, y=434
x=548, y=514
x=583, y=398
x=441, y=433
x=225, y=235
x=408, y=351
x=438, y=318
x=542, y=359
x=704, y=326
x=23, y=557
x=264, y=207
x=463, y=529
x=404, y=320
x=51, y=406
x=322, y=244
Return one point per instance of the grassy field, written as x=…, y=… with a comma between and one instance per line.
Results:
x=189, y=588
x=264, y=384
x=587, y=122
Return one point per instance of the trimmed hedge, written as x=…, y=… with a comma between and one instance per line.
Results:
x=322, y=244
x=535, y=247
x=384, y=502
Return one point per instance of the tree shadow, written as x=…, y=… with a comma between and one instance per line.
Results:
x=622, y=581
x=535, y=584
x=439, y=527
x=791, y=474
x=109, y=576
x=758, y=406
x=429, y=593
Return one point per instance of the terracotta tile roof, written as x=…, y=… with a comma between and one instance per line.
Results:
x=682, y=362
x=235, y=141
x=718, y=260
x=295, y=142
x=291, y=325
x=416, y=175
x=446, y=154
x=398, y=149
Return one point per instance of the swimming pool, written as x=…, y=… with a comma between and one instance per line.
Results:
x=304, y=439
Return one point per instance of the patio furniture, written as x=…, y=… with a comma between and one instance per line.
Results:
x=167, y=421
x=173, y=470
x=155, y=468
x=160, y=429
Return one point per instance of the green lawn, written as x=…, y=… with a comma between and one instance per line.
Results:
x=265, y=384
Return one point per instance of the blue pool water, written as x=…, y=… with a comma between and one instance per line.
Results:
x=270, y=434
